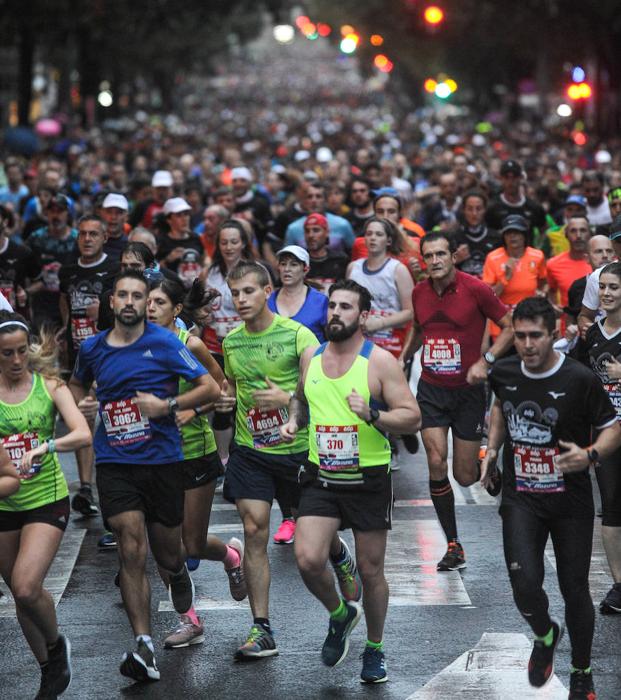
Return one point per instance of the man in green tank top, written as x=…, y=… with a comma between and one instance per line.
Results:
x=261, y=363
x=351, y=394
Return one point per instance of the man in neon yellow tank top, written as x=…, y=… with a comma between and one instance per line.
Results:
x=352, y=394
x=261, y=363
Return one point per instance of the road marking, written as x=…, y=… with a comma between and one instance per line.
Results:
x=413, y=550
x=59, y=574
x=494, y=670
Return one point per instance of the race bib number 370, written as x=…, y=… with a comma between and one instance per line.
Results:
x=337, y=447
x=536, y=470
x=124, y=423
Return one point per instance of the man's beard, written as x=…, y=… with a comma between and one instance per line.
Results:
x=338, y=332
x=129, y=321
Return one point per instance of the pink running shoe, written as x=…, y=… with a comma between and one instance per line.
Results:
x=285, y=533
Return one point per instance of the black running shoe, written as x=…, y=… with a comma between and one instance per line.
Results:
x=140, y=664
x=541, y=662
x=259, y=644
x=84, y=503
x=46, y=692
x=181, y=590
x=373, y=666
x=453, y=559
x=612, y=602
x=336, y=644
x=581, y=686
x=57, y=675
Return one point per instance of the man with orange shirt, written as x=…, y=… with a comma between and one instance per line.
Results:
x=213, y=217
x=567, y=267
x=516, y=270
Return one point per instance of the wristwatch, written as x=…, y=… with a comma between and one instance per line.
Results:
x=593, y=456
x=173, y=406
x=489, y=357
x=374, y=416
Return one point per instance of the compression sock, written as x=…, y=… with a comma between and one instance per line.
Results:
x=379, y=646
x=263, y=622
x=340, y=613
x=232, y=558
x=443, y=501
x=547, y=639
x=146, y=638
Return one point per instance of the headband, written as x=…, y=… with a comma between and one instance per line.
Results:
x=15, y=323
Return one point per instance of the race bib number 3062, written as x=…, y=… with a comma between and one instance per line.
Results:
x=124, y=423
x=536, y=470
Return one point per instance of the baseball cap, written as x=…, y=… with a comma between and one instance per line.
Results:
x=576, y=199
x=174, y=205
x=60, y=201
x=297, y=252
x=316, y=219
x=510, y=166
x=299, y=156
x=241, y=173
x=385, y=192
x=162, y=178
x=614, y=232
x=115, y=200
x=515, y=222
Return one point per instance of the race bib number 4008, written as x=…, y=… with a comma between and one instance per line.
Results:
x=124, y=423
x=442, y=355
x=536, y=470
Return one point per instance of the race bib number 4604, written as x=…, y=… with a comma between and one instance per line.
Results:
x=536, y=470
x=124, y=423
x=264, y=426
x=442, y=355
x=17, y=446
x=337, y=447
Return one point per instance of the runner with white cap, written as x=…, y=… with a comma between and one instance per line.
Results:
x=180, y=250
x=114, y=211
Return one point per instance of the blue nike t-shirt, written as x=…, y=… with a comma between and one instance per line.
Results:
x=152, y=364
x=313, y=313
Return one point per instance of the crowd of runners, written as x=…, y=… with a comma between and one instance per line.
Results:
x=276, y=320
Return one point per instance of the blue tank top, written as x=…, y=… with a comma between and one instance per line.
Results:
x=313, y=314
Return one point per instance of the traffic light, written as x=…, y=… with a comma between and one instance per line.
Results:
x=579, y=91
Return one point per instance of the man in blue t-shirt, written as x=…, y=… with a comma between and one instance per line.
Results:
x=136, y=367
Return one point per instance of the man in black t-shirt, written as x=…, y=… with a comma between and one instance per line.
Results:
x=180, y=250
x=361, y=204
x=512, y=200
x=17, y=265
x=474, y=240
x=547, y=407
x=326, y=266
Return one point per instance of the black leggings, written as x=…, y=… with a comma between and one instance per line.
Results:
x=609, y=482
x=525, y=536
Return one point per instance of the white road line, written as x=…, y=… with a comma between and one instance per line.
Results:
x=59, y=574
x=494, y=670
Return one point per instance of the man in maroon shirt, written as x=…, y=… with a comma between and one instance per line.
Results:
x=451, y=309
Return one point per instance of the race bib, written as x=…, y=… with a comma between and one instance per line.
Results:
x=223, y=325
x=49, y=276
x=442, y=355
x=614, y=393
x=8, y=291
x=387, y=338
x=536, y=470
x=264, y=426
x=188, y=272
x=337, y=447
x=82, y=328
x=17, y=446
x=124, y=423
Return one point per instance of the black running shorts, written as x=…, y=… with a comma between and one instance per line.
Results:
x=157, y=490
x=461, y=409
x=201, y=470
x=56, y=514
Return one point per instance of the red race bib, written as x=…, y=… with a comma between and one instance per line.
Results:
x=17, y=446
x=536, y=470
x=442, y=355
x=263, y=426
x=124, y=423
x=337, y=447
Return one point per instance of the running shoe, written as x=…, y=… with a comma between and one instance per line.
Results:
x=336, y=644
x=347, y=575
x=541, y=663
x=185, y=634
x=56, y=677
x=107, y=541
x=581, y=686
x=612, y=602
x=453, y=559
x=285, y=533
x=181, y=590
x=192, y=564
x=84, y=503
x=260, y=643
x=140, y=664
x=237, y=580
x=373, y=666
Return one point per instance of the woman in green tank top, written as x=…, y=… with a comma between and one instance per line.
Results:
x=201, y=465
x=33, y=518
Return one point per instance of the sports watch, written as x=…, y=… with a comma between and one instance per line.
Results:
x=173, y=406
x=374, y=416
x=489, y=357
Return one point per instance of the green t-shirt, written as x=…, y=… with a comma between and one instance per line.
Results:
x=251, y=357
x=24, y=426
